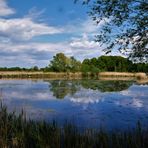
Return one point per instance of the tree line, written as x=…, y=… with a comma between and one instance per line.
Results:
x=35, y=68
x=62, y=63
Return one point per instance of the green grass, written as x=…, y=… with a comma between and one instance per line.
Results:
x=17, y=132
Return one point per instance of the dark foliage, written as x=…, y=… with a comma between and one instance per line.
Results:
x=17, y=132
x=35, y=68
x=61, y=88
x=112, y=63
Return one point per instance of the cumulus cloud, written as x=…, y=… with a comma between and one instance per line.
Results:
x=40, y=53
x=85, y=26
x=25, y=29
x=5, y=9
x=27, y=54
x=83, y=42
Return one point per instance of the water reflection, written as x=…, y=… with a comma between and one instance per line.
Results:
x=84, y=101
x=106, y=86
x=61, y=88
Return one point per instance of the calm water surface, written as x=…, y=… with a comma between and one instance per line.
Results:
x=86, y=103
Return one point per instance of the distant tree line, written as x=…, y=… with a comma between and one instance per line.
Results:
x=62, y=63
x=35, y=68
x=113, y=64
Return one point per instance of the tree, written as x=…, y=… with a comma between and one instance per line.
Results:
x=62, y=63
x=74, y=65
x=59, y=63
x=35, y=68
x=124, y=26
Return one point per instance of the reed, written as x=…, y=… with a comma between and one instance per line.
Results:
x=117, y=74
x=69, y=75
x=141, y=76
x=124, y=74
x=51, y=75
x=17, y=132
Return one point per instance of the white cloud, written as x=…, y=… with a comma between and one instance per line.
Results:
x=83, y=42
x=40, y=53
x=29, y=54
x=34, y=13
x=82, y=26
x=87, y=26
x=25, y=29
x=32, y=47
x=5, y=9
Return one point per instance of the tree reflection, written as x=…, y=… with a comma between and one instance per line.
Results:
x=61, y=88
x=106, y=86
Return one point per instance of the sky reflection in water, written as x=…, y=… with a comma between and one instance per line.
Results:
x=87, y=103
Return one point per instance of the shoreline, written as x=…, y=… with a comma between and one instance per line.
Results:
x=139, y=77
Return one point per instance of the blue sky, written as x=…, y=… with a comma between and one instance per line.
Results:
x=33, y=31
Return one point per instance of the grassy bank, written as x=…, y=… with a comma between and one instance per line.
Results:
x=123, y=74
x=17, y=132
x=70, y=75
x=61, y=75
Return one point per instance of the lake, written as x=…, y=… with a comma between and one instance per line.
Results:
x=86, y=103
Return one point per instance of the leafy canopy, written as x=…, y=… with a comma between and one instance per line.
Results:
x=123, y=25
x=62, y=63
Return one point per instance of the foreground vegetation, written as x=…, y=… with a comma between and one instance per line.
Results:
x=17, y=132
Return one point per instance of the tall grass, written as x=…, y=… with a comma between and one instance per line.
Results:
x=17, y=132
x=69, y=75
x=123, y=74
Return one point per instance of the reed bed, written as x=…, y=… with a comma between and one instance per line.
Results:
x=117, y=74
x=69, y=75
x=17, y=132
x=123, y=74
x=40, y=75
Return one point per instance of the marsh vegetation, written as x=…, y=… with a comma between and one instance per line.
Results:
x=17, y=132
